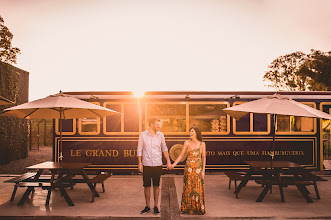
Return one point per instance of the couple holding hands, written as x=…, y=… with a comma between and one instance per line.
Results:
x=151, y=144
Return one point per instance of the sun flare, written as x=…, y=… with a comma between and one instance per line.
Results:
x=139, y=93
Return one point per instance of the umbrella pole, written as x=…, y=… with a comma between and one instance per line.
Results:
x=274, y=134
x=273, y=138
x=61, y=156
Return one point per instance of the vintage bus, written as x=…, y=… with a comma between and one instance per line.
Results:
x=110, y=143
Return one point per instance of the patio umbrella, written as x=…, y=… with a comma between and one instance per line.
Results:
x=4, y=101
x=59, y=106
x=275, y=105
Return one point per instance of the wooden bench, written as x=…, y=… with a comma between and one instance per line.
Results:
x=66, y=181
x=43, y=185
x=34, y=184
x=284, y=183
x=45, y=178
x=100, y=178
x=308, y=176
x=234, y=176
x=17, y=180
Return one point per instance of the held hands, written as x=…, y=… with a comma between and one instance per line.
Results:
x=169, y=166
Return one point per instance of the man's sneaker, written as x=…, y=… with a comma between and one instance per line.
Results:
x=146, y=209
x=156, y=211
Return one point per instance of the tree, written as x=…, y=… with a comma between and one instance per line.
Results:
x=8, y=54
x=318, y=69
x=300, y=72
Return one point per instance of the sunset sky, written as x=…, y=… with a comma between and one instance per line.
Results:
x=152, y=45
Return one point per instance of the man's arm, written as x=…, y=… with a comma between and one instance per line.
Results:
x=140, y=153
x=140, y=165
x=165, y=152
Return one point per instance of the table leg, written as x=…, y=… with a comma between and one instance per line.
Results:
x=235, y=188
x=281, y=193
x=29, y=189
x=89, y=184
x=303, y=191
x=316, y=190
x=306, y=190
x=263, y=193
x=59, y=185
x=65, y=195
x=244, y=182
x=14, y=193
x=25, y=196
x=48, y=196
x=36, y=177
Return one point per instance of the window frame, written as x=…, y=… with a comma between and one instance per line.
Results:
x=122, y=132
x=167, y=103
x=301, y=132
x=212, y=103
x=321, y=133
x=87, y=132
x=74, y=127
x=187, y=116
x=251, y=124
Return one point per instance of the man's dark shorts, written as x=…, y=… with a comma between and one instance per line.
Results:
x=152, y=173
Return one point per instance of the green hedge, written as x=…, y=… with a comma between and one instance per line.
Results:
x=13, y=131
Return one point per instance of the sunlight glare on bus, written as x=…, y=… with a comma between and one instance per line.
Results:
x=139, y=93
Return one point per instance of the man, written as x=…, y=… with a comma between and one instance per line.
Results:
x=150, y=147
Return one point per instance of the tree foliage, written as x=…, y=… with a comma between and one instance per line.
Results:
x=300, y=72
x=8, y=54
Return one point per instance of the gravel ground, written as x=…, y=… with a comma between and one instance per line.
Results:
x=35, y=156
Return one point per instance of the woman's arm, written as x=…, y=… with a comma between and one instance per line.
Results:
x=203, y=159
x=181, y=154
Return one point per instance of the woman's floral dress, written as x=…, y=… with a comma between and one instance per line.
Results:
x=193, y=198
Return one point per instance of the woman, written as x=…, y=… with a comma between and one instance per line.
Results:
x=193, y=197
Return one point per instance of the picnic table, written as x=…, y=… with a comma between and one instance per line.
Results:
x=62, y=174
x=282, y=174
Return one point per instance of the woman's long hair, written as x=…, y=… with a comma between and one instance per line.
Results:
x=198, y=132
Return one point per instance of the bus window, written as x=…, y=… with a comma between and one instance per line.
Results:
x=131, y=118
x=251, y=124
x=89, y=126
x=128, y=122
x=173, y=116
x=68, y=126
x=260, y=122
x=208, y=117
x=325, y=131
x=294, y=124
x=326, y=107
x=113, y=122
x=243, y=125
x=283, y=123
